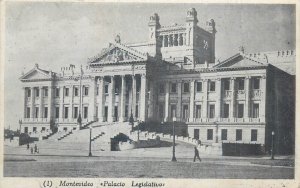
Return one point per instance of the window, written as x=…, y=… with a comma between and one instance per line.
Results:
x=76, y=91
x=173, y=110
x=46, y=112
x=256, y=83
x=173, y=87
x=212, y=86
x=66, y=92
x=198, y=111
x=255, y=112
x=37, y=92
x=126, y=111
x=253, y=135
x=240, y=111
x=226, y=111
x=97, y=90
x=199, y=86
x=34, y=129
x=56, y=112
x=224, y=134
x=185, y=111
x=28, y=92
x=211, y=111
x=210, y=134
x=161, y=88
x=75, y=112
x=86, y=91
x=27, y=112
x=43, y=128
x=36, y=112
x=85, y=111
x=25, y=129
x=57, y=92
x=238, y=136
x=45, y=92
x=186, y=87
x=241, y=83
x=196, y=134
x=226, y=84
x=66, y=112
x=106, y=89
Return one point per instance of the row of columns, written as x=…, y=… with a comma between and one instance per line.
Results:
x=174, y=40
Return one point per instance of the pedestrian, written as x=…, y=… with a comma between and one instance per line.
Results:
x=27, y=146
x=196, y=154
x=35, y=149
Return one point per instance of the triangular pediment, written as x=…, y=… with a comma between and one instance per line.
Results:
x=117, y=53
x=36, y=74
x=240, y=61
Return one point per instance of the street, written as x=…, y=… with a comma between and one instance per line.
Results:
x=122, y=167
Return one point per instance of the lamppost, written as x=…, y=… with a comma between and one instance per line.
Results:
x=173, y=157
x=272, y=149
x=20, y=123
x=90, y=146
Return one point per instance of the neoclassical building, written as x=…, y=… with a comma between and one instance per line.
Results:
x=172, y=77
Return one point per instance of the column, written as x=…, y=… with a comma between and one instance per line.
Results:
x=32, y=103
x=179, y=101
x=218, y=99
x=92, y=103
x=232, y=100
x=143, y=97
x=111, y=101
x=133, y=100
x=151, y=101
x=263, y=89
x=167, y=100
x=247, y=96
x=192, y=101
x=61, y=99
x=122, y=100
x=71, y=95
x=205, y=97
x=164, y=40
x=50, y=101
x=41, y=106
x=101, y=99
x=184, y=39
x=24, y=102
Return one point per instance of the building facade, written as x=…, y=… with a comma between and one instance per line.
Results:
x=171, y=77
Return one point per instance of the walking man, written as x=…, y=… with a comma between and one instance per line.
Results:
x=196, y=154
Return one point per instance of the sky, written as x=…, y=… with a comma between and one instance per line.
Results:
x=56, y=34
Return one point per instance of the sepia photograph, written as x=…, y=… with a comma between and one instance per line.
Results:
x=148, y=91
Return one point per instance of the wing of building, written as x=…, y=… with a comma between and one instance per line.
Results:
x=172, y=77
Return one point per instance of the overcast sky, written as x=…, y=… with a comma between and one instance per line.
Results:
x=58, y=34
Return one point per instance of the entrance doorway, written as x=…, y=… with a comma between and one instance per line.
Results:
x=116, y=113
x=105, y=113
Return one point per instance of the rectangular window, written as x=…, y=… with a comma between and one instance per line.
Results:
x=198, y=111
x=106, y=89
x=57, y=92
x=211, y=111
x=25, y=129
x=224, y=134
x=37, y=92
x=28, y=92
x=161, y=88
x=46, y=112
x=76, y=93
x=186, y=87
x=97, y=90
x=226, y=111
x=85, y=111
x=240, y=111
x=239, y=135
x=43, y=128
x=212, y=86
x=66, y=92
x=255, y=111
x=210, y=134
x=36, y=112
x=241, y=83
x=196, y=134
x=27, y=112
x=86, y=91
x=173, y=88
x=173, y=110
x=256, y=83
x=199, y=86
x=66, y=112
x=185, y=111
x=75, y=112
x=56, y=112
x=34, y=129
x=253, y=135
x=45, y=92
x=226, y=84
